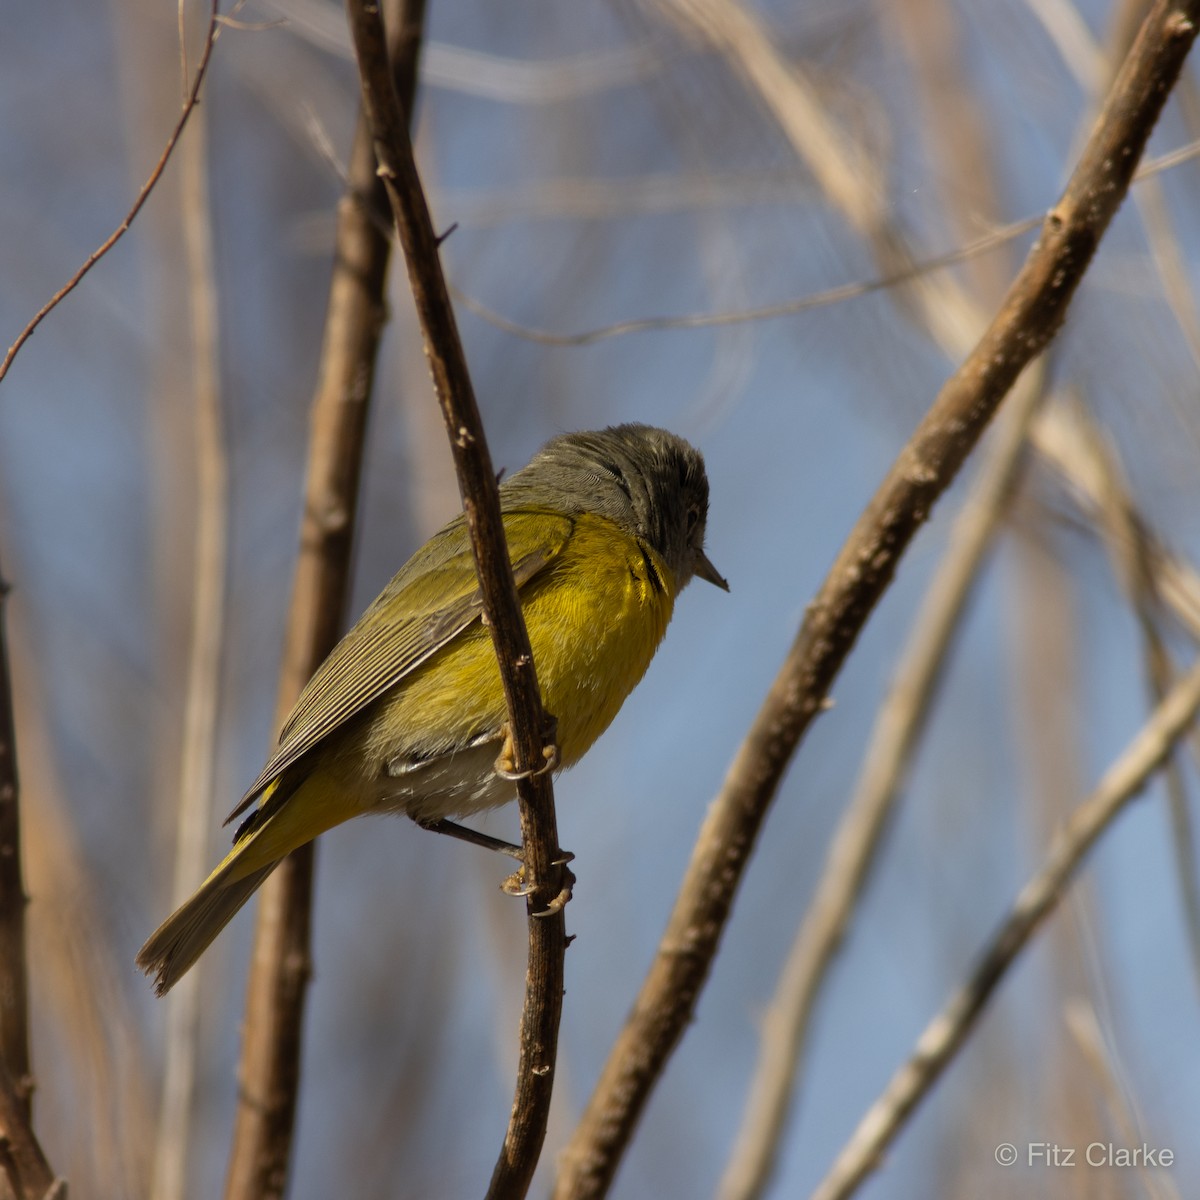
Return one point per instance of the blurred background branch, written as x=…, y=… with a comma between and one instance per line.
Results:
x=209, y=585
x=633, y=168
x=944, y=1035
x=269, y=1077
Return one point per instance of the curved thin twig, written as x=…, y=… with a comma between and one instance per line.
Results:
x=190, y=102
x=481, y=503
x=1032, y=313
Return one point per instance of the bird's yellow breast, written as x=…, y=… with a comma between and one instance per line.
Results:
x=594, y=625
x=595, y=616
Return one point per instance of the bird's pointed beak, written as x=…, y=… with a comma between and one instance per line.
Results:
x=705, y=570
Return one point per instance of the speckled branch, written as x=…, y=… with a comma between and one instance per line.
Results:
x=481, y=502
x=1032, y=313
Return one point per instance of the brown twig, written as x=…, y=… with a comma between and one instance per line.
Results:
x=270, y=1064
x=1033, y=310
x=14, y=980
x=894, y=736
x=24, y=1166
x=945, y=1033
x=481, y=503
x=190, y=102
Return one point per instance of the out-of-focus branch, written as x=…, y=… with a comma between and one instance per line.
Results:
x=270, y=1064
x=852, y=851
x=198, y=754
x=1084, y=1027
x=945, y=1034
x=190, y=102
x=1135, y=569
x=22, y=1163
x=1066, y=438
x=1033, y=310
x=481, y=503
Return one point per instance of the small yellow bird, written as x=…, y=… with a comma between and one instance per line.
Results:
x=407, y=713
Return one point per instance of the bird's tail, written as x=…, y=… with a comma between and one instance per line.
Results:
x=258, y=845
x=176, y=944
x=291, y=811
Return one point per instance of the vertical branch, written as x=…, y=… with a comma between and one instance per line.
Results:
x=1033, y=310
x=199, y=744
x=270, y=1064
x=481, y=504
x=14, y=981
x=22, y=1163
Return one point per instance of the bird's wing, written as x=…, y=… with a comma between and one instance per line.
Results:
x=423, y=608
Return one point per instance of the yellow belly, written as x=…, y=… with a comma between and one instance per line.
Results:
x=595, y=618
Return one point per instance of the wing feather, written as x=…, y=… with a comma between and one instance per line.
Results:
x=422, y=609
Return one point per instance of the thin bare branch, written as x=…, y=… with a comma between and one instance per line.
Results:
x=1092, y=67
x=904, y=273
x=481, y=503
x=851, y=853
x=14, y=976
x=270, y=1064
x=946, y=1033
x=193, y=98
x=198, y=753
x=1134, y=564
x=23, y=1163
x=1033, y=310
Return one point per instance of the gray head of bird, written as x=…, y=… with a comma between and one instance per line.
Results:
x=646, y=480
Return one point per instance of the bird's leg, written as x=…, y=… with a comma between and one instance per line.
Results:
x=454, y=830
x=515, y=884
x=505, y=765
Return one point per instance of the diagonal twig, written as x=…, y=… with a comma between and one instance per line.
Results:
x=852, y=849
x=1032, y=312
x=481, y=503
x=945, y=1033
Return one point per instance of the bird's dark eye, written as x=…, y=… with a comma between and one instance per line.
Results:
x=693, y=515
